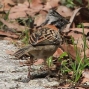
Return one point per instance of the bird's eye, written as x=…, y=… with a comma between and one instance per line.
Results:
x=61, y=20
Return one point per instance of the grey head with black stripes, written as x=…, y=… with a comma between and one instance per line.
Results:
x=54, y=18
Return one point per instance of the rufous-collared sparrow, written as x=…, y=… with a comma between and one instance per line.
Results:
x=44, y=41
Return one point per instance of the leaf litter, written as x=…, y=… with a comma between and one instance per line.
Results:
x=38, y=9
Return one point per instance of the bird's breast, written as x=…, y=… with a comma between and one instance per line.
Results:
x=44, y=52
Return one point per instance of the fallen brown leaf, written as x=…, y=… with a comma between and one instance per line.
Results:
x=58, y=52
x=85, y=74
x=9, y=34
x=65, y=11
x=39, y=61
x=85, y=24
x=70, y=50
x=19, y=1
x=9, y=39
x=12, y=25
x=51, y=4
x=79, y=31
x=20, y=14
x=35, y=3
x=17, y=11
x=39, y=19
x=6, y=5
x=10, y=52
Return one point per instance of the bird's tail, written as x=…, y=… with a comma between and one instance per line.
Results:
x=21, y=52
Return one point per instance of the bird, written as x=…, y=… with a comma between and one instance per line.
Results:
x=45, y=40
x=43, y=43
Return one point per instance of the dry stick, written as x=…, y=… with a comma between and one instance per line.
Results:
x=72, y=18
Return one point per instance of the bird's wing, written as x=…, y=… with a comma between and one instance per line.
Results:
x=47, y=35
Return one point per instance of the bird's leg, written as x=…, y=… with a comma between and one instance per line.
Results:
x=48, y=76
x=26, y=80
x=29, y=68
x=28, y=76
x=28, y=63
x=51, y=72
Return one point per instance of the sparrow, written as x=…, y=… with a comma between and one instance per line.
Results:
x=42, y=44
x=45, y=40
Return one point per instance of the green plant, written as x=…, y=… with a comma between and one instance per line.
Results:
x=50, y=61
x=28, y=23
x=79, y=1
x=72, y=3
x=68, y=3
x=26, y=37
x=29, y=1
x=79, y=64
x=7, y=15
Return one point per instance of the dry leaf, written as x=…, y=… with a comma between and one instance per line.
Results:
x=16, y=15
x=9, y=34
x=9, y=39
x=15, y=26
x=10, y=52
x=79, y=31
x=39, y=61
x=58, y=52
x=19, y=1
x=6, y=5
x=51, y=4
x=65, y=11
x=17, y=11
x=85, y=74
x=70, y=50
x=35, y=3
x=39, y=19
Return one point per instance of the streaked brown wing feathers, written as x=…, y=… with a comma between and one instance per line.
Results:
x=47, y=36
